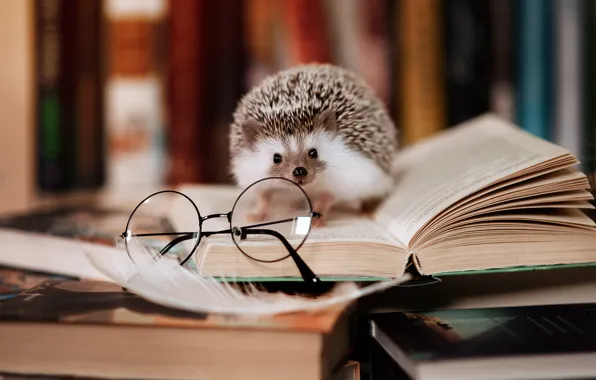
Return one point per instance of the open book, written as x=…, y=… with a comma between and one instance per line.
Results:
x=482, y=195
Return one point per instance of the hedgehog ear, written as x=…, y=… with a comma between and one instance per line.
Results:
x=326, y=121
x=250, y=130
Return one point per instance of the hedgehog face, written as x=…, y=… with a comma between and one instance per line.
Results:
x=301, y=156
x=297, y=158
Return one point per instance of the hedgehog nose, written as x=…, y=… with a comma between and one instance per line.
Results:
x=300, y=172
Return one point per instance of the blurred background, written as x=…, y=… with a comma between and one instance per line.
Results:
x=102, y=95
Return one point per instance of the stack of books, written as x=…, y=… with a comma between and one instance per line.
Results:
x=483, y=198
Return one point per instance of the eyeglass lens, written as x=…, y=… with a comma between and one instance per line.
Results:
x=267, y=210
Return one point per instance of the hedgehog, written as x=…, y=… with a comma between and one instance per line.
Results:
x=320, y=126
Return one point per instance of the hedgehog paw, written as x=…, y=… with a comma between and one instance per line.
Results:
x=321, y=221
x=259, y=210
x=322, y=205
x=256, y=216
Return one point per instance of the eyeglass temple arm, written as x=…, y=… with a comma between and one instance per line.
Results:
x=172, y=243
x=307, y=274
x=305, y=271
x=303, y=268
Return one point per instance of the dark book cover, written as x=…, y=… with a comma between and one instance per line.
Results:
x=88, y=95
x=223, y=83
x=381, y=366
x=15, y=280
x=588, y=138
x=468, y=59
x=97, y=302
x=485, y=332
x=90, y=223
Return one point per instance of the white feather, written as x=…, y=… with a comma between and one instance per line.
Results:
x=167, y=283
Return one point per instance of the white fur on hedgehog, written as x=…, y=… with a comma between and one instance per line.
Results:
x=358, y=157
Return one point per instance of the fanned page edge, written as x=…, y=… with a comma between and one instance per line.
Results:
x=487, y=122
x=561, y=160
x=412, y=153
x=486, y=194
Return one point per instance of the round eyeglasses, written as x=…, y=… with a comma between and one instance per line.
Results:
x=269, y=221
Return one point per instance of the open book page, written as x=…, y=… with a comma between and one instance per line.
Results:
x=342, y=226
x=437, y=173
x=344, y=229
x=343, y=248
x=349, y=244
x=347, y=228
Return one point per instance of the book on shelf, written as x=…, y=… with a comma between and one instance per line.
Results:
x=521, y=342
x=483, y=195
x=95, y=329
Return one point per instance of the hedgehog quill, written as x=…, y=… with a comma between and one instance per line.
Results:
x=320, y=126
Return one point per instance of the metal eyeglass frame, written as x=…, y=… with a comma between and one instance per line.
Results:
x=307, y=274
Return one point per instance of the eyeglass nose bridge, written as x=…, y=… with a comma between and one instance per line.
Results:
x=228, y=216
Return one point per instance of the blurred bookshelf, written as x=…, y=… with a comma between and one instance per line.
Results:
x=123, y=96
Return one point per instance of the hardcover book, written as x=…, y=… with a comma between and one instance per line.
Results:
x=524, y=342
x=484, y=195
x=96, y=329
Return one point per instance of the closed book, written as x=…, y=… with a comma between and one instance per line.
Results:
x=96, y=329
x=522, y=342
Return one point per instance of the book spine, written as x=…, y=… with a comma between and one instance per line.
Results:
x=223, y=82
x=259, y=21
x=502, y=55
x=307, y=31
x=567, y=129
x=51, y=171
x=588, y=130
x=420, y=69
x=89, y=95
x=343, y=18
x=184, y=92
x=468, y=58
x=534, y=87
x=373, y=47
x=67, y=91
x=134, y=94
x=393, y=106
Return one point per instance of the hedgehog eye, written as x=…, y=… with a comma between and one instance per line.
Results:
x=277, y=158
x=313, y=153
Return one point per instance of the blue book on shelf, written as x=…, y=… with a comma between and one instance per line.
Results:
x=534, y=108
